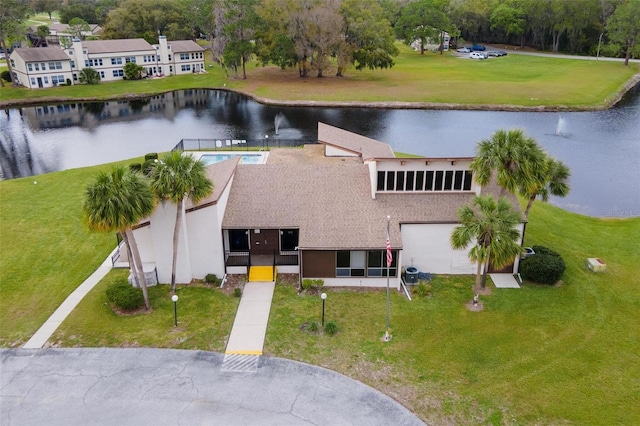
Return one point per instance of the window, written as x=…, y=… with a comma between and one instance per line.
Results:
x=171, y=68
x=116, y=61
x=36, y=67
x=468, y=176
x=55, y=65
x=350, y=263
x=428, y=186
x=391, y=178
x=169, y=56
x=33, y=81
x=377, y=263
x=75, y=77
x=448, y=180
x=457, y=182
x=186, y=67
x=130, y=59
x=57, y=79
x=29, y=67
x=73, y=64
x=43, y=66
x=399, y=181
x=118, y=73
x=288, y=240
x=419, y=180
x=101, y=74
x=184, y=56
x=410, y=180
x=380, y=183
x=46, y=80
x=238, y=240
x=438, y=185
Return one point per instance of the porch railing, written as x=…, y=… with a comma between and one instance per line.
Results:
x=237, y=258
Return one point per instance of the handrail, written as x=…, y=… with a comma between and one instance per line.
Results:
x=226, y=143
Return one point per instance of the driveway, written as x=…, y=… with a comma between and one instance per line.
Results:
x=175, y=387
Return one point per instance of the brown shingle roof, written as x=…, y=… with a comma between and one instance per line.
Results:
x=220, y=175
x=330, y=204
x=181, y=46
x=116, y=46
x=36, y=54
x=366, y=147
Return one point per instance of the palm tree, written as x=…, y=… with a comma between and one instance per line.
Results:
x=552, y=179
x=490, y=226
x=175, y=178
x=512, y=156
x=115, y=202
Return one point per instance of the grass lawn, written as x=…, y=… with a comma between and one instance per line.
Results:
x=45, y=250
x=519, y=80
x=205, y=317
x=541, y=355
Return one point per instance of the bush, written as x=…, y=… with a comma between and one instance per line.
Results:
x=151, y=156
x=331, y=328
x=314, y=326
x=423, y=289
x=542, y=268
x=212, y=279
x=124, y=296
x=237, y=292
x=545, y=250
x=6, y=76
x=308, y=283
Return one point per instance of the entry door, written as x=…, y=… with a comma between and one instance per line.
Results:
x=264, y=241
x=39, y=81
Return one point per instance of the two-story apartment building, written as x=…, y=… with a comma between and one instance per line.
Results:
x=107, y=57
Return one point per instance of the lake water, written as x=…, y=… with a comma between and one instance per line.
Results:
x=602, y=148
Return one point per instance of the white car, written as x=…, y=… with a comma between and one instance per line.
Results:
x=463, y=50
x=477, y=55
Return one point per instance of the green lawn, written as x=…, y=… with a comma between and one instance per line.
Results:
x=45, y=251
x=538, y=355
x=518, y=80
x=205, y=317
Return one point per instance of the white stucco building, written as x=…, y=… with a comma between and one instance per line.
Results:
x=43, y=66
x=321, y=212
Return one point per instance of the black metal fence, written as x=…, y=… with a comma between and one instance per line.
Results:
x=224, y=144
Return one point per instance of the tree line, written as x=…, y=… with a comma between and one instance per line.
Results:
x=313, y=35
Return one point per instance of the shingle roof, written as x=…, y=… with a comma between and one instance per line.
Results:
x=35, y=54
x=116, y=46
x=330, y=204
x=181, y=46
x=220, y=175
x=366, y=147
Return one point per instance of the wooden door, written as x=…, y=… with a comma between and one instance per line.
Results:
x=264, y=241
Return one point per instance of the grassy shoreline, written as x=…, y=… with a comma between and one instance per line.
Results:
x=512, y=83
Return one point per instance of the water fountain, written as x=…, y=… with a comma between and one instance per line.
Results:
x=283, y=131
x=277, y=120
x=562, y=127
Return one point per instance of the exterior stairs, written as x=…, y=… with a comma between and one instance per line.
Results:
x=262, y=273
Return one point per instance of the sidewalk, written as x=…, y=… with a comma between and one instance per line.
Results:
x=53, y=322
x=250, y=324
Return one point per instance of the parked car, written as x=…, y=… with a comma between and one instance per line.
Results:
x=463, y=50
x=1, y=55
x=496, y=53
x=478, y=47
x=477, y=55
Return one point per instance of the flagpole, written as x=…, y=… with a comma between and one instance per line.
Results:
x=387, y=337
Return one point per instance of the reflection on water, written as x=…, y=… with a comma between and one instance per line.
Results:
x=602, y=148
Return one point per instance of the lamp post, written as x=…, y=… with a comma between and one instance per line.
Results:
x=174, y=298
x=266, y=139
x=323, y=296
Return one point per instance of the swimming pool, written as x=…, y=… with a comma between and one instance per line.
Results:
x=257, y=158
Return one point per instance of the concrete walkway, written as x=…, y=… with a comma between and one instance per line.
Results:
x=69, y=387
x=53, y=322
x=250, y=324
x=504, y=281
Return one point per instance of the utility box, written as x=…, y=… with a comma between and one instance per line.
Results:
x=411, y=275
x=596, y=265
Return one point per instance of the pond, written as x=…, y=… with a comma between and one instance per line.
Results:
x=602, y=148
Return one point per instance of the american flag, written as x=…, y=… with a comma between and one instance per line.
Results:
x=389, y=254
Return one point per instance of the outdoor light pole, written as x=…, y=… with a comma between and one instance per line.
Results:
x=175, y=309
x=387, y=337
x=323, y=296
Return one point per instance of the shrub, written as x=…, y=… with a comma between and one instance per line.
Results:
x=542, y=268
x=237, y=292
x=314, y=326
x=308, y=283
x=331, y=328
x=6, y=76
x=423, y=289
x=135, y=167
x=151, y=156
x=545, y=250
x=211, y=279
x=124, y=296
